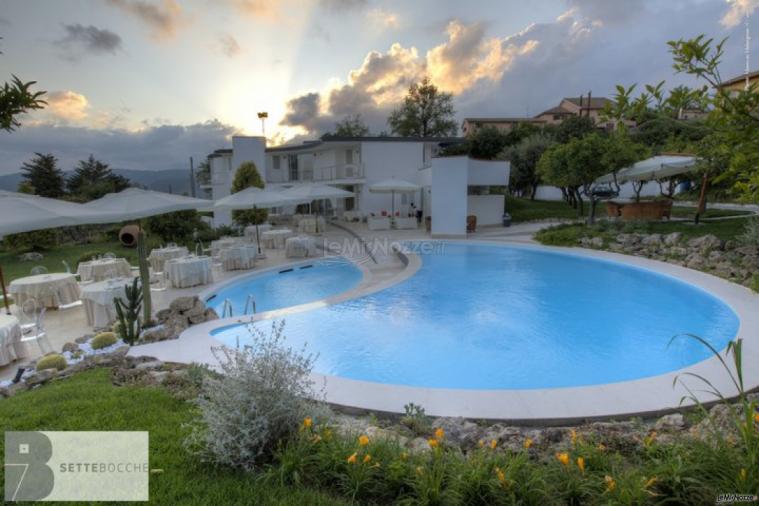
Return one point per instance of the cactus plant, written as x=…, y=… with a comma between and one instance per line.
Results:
x=128, y=313
x=103, y=340
x=52, y=361
x=142, y=252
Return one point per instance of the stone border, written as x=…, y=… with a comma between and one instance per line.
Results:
x=650, y=396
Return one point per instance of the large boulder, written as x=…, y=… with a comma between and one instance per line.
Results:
x=706, y=243
x=673, y=239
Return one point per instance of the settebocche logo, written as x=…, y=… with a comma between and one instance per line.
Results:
x=76, y=466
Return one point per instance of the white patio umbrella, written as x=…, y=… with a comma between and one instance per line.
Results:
x=136, y=203
x=657, y=167
x=307, y=193
x=393, y=186
x=255, y=198
x=20, y=212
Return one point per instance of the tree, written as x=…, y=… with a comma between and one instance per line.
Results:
x=93, y=179
x=247, y=175
x=524, y=159
x=486, y=143
x=425, y=112
x=17, y=98
x=351, y=126
x=621, y=152
x=44, y=176
x=574, y=127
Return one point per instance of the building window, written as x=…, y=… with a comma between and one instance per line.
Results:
x=293, y=165
x=275, y=159
x=349, y=156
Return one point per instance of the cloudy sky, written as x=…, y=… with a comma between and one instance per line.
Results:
x=144, y=84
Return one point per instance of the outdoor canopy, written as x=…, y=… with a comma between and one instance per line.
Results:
x=136, y=203
x=309, y=192
x=392, y=186
x=657, y=167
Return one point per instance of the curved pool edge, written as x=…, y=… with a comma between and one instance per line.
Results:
x=643, y=397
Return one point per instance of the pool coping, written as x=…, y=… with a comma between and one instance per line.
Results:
x=651, y=396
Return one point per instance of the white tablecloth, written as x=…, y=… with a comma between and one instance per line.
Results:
x=378, y=222
x=98, y=300
x=189, y=271
x=11, y=347
x=98, y=270
x=239, y=257
x=275, y=238
x=309, y=225
x=223, y=243
x=159, y=256
x=299, y=247
x=405, y=223
x=49, y=290
x=353, y=215
x=250, y=230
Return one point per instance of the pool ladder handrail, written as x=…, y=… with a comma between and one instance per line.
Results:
x=226, y=306
x=250, y=302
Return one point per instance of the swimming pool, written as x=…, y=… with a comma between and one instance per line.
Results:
x=288, y=286
x=500, y=317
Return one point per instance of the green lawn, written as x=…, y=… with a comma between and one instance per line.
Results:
x=88, y=401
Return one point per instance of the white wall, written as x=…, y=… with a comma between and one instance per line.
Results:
x=383, y=160
x=449, y=196
x=244, y=149
x=488, y=172
x=487, y=208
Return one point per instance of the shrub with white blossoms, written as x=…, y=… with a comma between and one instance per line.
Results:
x=260, y=398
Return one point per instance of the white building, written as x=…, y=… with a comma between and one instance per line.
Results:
x=356, y=163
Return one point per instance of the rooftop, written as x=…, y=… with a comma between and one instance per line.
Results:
x=595, y=102
x=741, y=78
x=334, y=140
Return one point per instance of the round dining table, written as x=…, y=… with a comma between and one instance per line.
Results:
x=98, y=298
x=242, y=256
x=275, y=239
x=48, y=290
x=189, y=271
x=159, y=256
x=11, y=347
x=104, y=268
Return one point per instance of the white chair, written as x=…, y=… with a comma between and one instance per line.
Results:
x=37, y=333
x=27, y=314
x=60, y=306
x=40, y=269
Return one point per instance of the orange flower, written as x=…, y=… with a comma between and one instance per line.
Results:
x=649, y=440
x=432, y=442
x=527, y=443
x=756, y=417
x=500, y=475
x=573, y=435
x=363, y=440
x=481, y=443
x=563, y=458
x=367, y=458
x=493, y=444
x=439, y=433
x=650, y=482
x=352, y=458
x=610, y=483
x=581, y=464
x=307, y=422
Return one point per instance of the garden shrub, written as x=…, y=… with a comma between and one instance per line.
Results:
x=52, y=361
x=103, y=340
x=27, y=241
x=257, y=402
x=177, y=227
x=750, y=236
x=561, y=235
x=416, y=419
x=86, y=257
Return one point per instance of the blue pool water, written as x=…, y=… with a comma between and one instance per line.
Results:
x=494, y=317
x=304, y=283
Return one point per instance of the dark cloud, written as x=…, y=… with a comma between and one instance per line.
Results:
x=152, y=148
x=163, y=18
x=80, y=39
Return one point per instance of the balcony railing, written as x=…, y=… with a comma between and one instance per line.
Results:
x=321, y=174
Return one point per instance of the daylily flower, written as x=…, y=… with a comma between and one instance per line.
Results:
x=439, y=433
x=493, y=444
x=573, y=435
x=481, y=443
x=363, y=440
x=563, y=458
x=367, y=458
x=611, y=484
x=756, y=417
x=500, y=475
x=432, y=442
x=581, y=464
x=527, y=443
x=307, y=422
x=352, y=458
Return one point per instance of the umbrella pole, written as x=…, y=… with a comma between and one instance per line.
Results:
x=5, y=294
x=258, y=239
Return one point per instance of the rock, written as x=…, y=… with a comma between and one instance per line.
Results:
x=70, y=347
x=459, y=430
x=378, y=433
x=627, y=240
x=32, y=256
x=616, y=247
x=705, y=243
x=163, y=315
x=83, y=339
x=695, y=261
x=585, y=242
x=715, y=256
x=678, y=252
x=675, y=421
x=12, y=389
x=197, y=310
x=182, y=304
x=597, y=242
x=210, y=314
x=673, y=239
x=39, y=377
x=156, y=334
x=152, y=365
x=652, y=240
x=419, y=445
x=122, y=376
x=718, y=424
x=134, y=361
x=730, y=245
